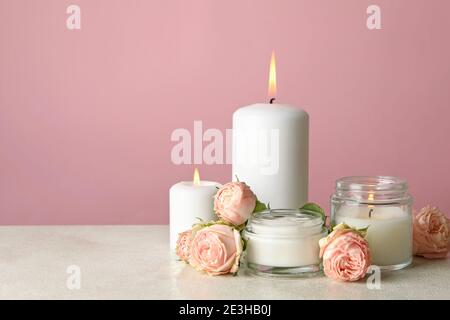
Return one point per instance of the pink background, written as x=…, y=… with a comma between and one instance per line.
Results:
x=86, y=115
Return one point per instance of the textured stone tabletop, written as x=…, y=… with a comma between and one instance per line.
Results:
x=133, y=262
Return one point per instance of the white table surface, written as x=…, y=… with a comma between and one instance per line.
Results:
x=134, y=262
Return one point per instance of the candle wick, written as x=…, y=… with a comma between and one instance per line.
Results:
x=370, y=213
x=272, y=100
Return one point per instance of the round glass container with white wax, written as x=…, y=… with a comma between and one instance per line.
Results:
x=284, y=243
x=382, y=204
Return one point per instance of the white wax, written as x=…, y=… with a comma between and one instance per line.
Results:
x=283, y=245
x=270, y=153
x=288, y=252
x=389, y=234
x=189, y=202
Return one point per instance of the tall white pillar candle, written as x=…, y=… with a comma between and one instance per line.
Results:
x=190, y=200
x=270, y=150
x=270, y=153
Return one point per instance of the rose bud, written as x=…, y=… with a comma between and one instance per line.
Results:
x=234, y=202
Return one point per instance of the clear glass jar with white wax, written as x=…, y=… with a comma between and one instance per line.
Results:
x=284, y=243
x=382, y=204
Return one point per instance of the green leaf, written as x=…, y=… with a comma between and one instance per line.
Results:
x=239, y=227
x=363, y=231
x=311, y=206
x=259, y=206
x=203, y=224
x=331, y=226
x=343, y=226
x=244, y=243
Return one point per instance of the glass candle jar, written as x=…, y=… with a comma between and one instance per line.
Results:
x=284, y=242
x=382, y=204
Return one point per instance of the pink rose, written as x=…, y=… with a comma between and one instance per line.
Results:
x=431, y=233
x=234, y=203
x=216, y=250
x=345, y=254
x=183, y=248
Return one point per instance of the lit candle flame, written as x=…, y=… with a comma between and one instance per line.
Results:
x=371, y=207
x=272, y=77
x=196, y=178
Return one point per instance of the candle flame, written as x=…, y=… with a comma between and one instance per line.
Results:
x=272, y=77
x=196, y=178
x=370, y=199
x=371, y=207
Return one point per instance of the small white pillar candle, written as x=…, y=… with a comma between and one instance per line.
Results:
x=189, y=202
